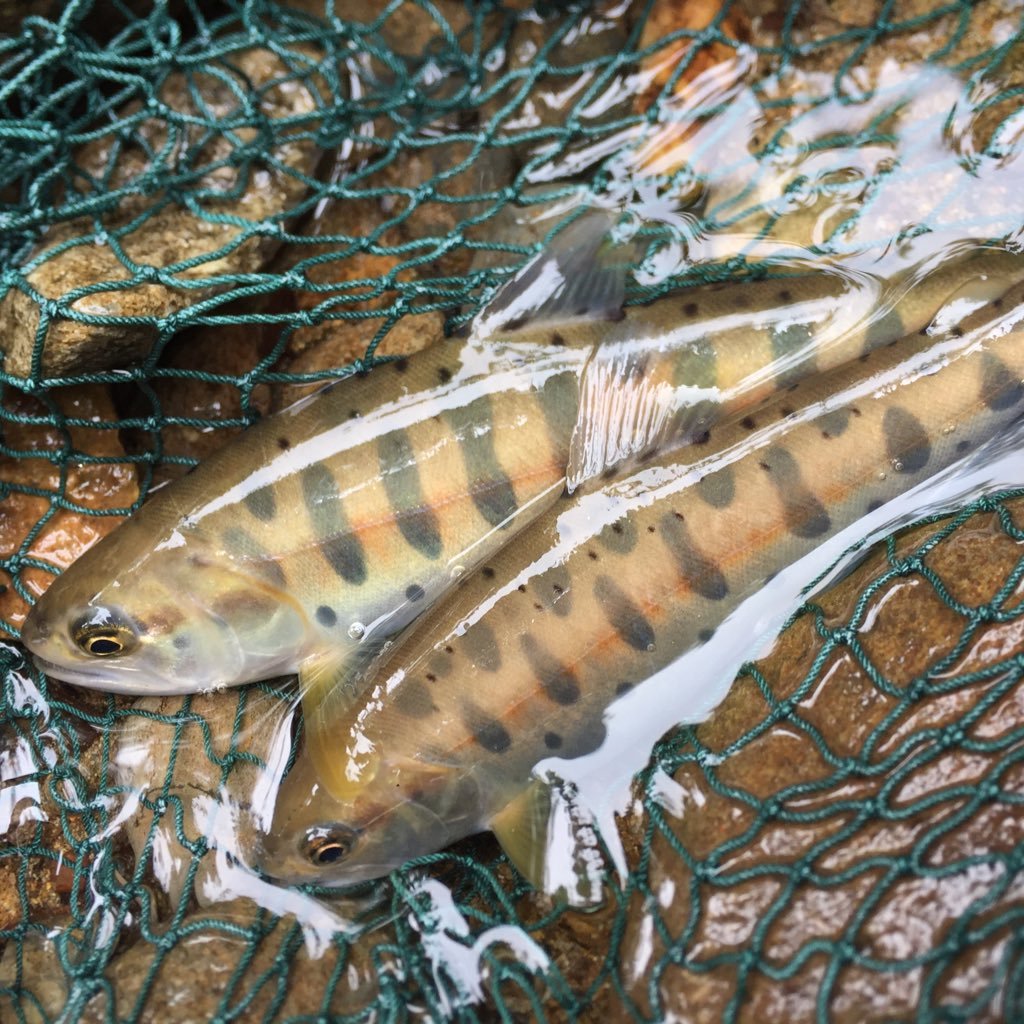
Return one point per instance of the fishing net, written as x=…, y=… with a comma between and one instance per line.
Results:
x=206, y=207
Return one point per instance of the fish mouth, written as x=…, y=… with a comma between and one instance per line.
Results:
x=132, y=685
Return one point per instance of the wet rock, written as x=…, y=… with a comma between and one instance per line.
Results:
x=201, y=772
x=98, y=487
x=198, y=416
x=238, y=952
x=832, y=832
x=234, y=230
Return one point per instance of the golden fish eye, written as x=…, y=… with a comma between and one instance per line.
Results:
x=327, y=846
x=103, y=642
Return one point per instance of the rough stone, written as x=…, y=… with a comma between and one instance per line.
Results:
x=93, y=487
x=170, y=233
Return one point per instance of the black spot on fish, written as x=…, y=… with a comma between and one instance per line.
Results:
x=696, y=365
x=804, y=514
x=792, y=344
x=705, y=635
x=557, y=681
x=559, y=402
x=431, y=677
x=619, y=536
x=401, y=477
x=957, y=331
x=344, y=555
x=557, y=339
x=517, y=322
x=623, y=615
x=353, y=414
x=787, y=411
x=538, y=606
x=702, y=438
x=521, y=588
x=490, y=488
x=481, y=646
x=651, y=529
x=491, y=735
x=748, y=423
x=180, y=641
x=702, y=575
x=834, y=424
x=593, y=555
x=283, y=443
x=401, y=365
x=883, y=330
x=413, y=699
x=448, y=649
x=414, y=592
x=874, y=504
x=623, y=688
x=444, y=375
x=963, y=446
x=1000, y=389
x=261, y=503
x=488, y=572
x=340, y=547
x=552, y=740
x=717, y=489
x=691, y=309
x=326, y=616
x=906, y=441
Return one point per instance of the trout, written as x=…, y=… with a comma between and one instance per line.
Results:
x=609, y=587
x=323, y=531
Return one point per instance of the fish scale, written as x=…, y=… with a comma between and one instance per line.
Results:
x=650, y=565
x=320, y=533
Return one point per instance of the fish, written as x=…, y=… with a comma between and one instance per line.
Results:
x=607, y=588
x=314, y=539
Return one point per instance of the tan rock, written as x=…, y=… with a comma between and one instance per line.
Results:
x=169, y=234
x=218, y=744
x=90, y=487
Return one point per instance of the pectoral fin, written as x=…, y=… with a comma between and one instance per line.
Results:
x=552, y=842
x=328, y=684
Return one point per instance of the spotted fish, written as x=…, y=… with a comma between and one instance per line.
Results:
x=609, y=587
x=322, y=532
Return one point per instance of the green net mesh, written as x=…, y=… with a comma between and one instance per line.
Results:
x=205, y=207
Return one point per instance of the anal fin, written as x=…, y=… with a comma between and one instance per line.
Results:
x=328, y=685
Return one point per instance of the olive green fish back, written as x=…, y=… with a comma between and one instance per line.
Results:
x=172, y=267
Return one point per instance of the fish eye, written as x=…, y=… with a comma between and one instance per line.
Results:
x=326, y=846
x=103, y=639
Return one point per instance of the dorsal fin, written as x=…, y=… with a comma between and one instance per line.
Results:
x=580, y=275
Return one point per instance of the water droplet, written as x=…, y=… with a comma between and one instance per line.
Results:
x=357, y=630
x=457, y=571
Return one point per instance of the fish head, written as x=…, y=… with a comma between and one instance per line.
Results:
x=397, y=810
x=179, y=616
